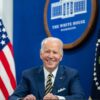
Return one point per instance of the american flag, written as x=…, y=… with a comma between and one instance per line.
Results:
x=7, y=65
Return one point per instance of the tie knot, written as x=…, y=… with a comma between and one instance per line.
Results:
x=50, y=75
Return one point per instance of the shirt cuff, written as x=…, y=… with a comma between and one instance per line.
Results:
x=61, y=97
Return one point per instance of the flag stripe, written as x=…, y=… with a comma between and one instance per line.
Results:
x=8, y=69
x=5, y=79
x=2, y=96
x=3, y=89
x=11, y=48
x=9, y=57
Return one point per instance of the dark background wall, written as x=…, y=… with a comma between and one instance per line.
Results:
x=29, y=32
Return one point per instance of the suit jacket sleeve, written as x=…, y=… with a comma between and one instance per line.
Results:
x=23, y=88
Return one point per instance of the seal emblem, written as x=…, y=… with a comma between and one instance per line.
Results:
x=69, y=20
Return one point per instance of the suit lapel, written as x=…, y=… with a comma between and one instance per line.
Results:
x=58, y=80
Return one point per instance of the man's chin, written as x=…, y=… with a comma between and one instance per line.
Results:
x=51, y=67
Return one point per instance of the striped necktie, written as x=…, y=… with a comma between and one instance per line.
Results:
x=48, y=87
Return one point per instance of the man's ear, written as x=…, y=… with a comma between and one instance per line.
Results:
x=41, y=55
x=61, y=58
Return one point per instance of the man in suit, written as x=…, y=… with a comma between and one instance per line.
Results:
x=63, y=83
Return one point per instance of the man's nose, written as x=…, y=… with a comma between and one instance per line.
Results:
x=51, y=54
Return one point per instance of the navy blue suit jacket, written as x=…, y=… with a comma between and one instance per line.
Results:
x=67, y=84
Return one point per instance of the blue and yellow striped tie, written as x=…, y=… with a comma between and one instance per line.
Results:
x=48, y=87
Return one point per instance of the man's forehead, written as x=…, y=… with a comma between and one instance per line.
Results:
x=51, y=48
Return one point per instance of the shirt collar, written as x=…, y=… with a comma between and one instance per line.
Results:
x=46, y=73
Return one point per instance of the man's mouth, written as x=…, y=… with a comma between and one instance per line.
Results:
x=50, y=61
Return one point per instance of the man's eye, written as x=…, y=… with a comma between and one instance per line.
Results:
x=55, y=52
x=47, y=51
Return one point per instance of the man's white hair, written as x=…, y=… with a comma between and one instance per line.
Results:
x=52, y=39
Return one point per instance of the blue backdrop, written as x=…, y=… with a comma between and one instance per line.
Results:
x=29, y=32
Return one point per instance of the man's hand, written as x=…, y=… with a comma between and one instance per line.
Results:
x=29, y=97
x=50, y=96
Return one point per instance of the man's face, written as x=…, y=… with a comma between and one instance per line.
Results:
x=51, y=54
